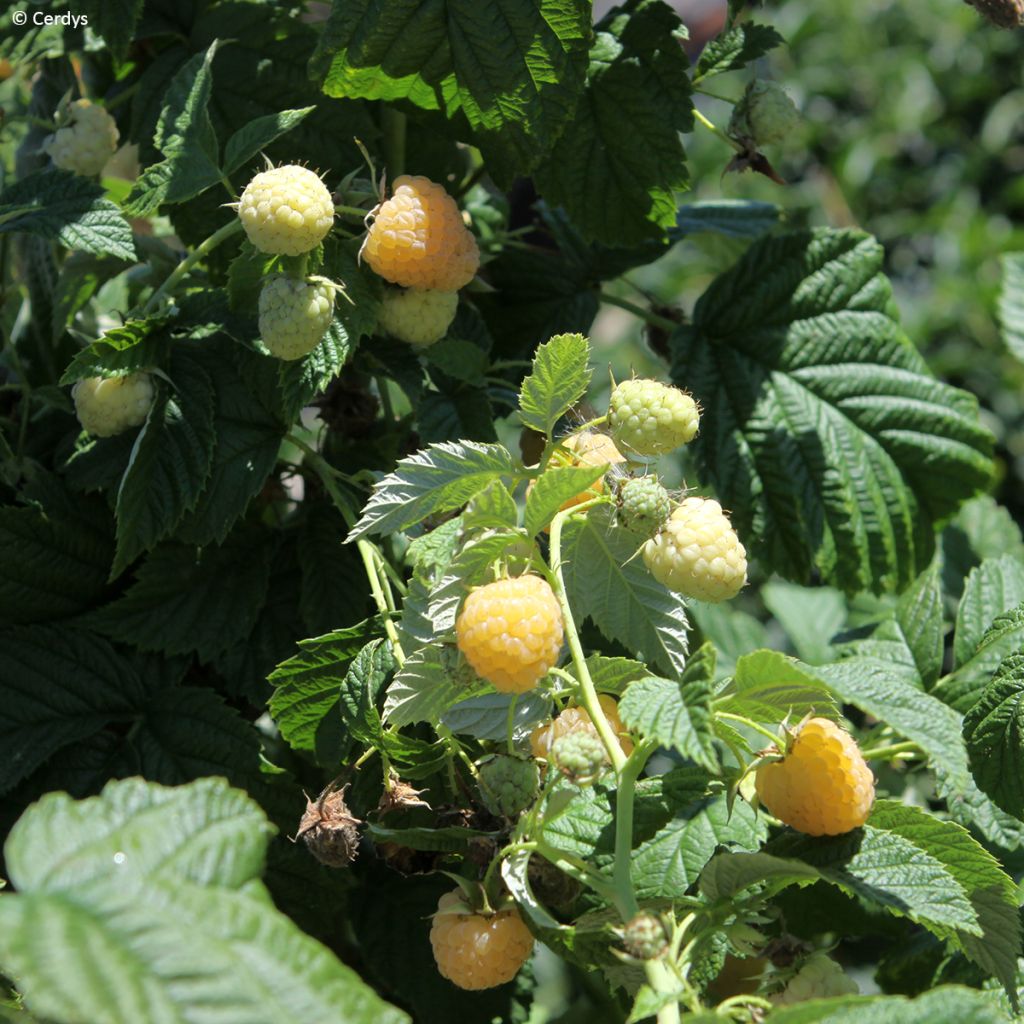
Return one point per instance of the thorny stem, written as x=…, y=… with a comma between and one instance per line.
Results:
x=200, y=252
x=651, y=317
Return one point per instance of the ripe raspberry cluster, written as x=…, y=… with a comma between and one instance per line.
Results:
x=510, y=632
x=111, y=405
x=697, y=552
x=822, y=786
x=85, y=142
x=478, y=951
x=294, y=314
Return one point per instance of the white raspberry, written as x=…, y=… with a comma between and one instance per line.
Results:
x=86, y=142
x=418, y=238
x=819, y=978
x=294, y=315
x=286, y=210
x=418, y=316
x=697, y=552
x=651, y=418
x=110, y=405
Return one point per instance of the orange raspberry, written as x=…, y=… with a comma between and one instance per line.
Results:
x=573, y=719
x=510, y=632
x=476, y=951
x=822, y=786
x=419, y=240
x=587, y=449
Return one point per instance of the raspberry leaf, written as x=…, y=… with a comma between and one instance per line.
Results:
x=946, y=1004
x=160, y=888
x=553, y=489
x=136, y=345
x=811, y=617
x=677, y=715
x=769, y=687
x=993, y=588
x=733, y=218
x=558, y=379
x=425, y=687
x=1011, y=303
x=258, y=134
x=823, y=430
x=736, y=48
x=963, y=687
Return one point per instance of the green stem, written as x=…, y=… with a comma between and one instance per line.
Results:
x=351, y=211
x=385, y=398
x=587, y=690
x=645, y=314
x=883, y=753
x=749, y=724
x=714, y=129
x=393, y=126
x=628, y=775
x=510, y=723
x=122, y=97
x=659, y=977
x=202, y=250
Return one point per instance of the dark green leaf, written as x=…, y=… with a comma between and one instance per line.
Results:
x=736, y=48
x=248, y=141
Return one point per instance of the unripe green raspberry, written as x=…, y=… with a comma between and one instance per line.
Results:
x=85, y=142
x=294, y=315
x=697, y=552
x=110, y=405
x=765, y=115
x=418, y=316
x=643, y=506
x=644, y=936
x=819, y=978
x=507, y=784
x=650, y=418
x=580, y=756
x=286, y=210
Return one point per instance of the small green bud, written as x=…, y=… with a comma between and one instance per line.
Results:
x=764, y=116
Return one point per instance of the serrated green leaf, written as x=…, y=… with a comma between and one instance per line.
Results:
x=152, y=895
x=677, y=715
x=947, y=1004
x=325, y=559
x=245, y=277
x=993, y=588
x=736, y=48
x=554, y=488
x=991, y=892
x=611, y=586
x=558, y=378
x=504, y=83
x=170, y=462
x=970, y=807
x=458, y=358
x=486, y=716
x=438, y=479
x=994, y=733
x=822, y=430
x=258, y=133
x=115, y=21
x=187, y=599
x=430, y=554
x=305, y=704
x=613, y=675
x=619, y=162
x=69, y=209
x=671, y=861
x=872, y=686
x=58, y=686
x=728, y=874
x=733, y=218
x=302, y=379
x=963, y=687
x=363, y=683
x=135, y=345
x=811, y=617
x=769, y=687
x=1011, y=303
x=919, y=616
x=492, y=509
x=426, y=686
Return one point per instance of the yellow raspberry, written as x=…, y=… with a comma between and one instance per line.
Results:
x=651, y=418
x=819, y=978
x=294, y=315
x=822, y=786
x=418, y=316
x=577, y=719
x=418, y=239
x=697, y=552
x=111, y=405
x=510, y=632
x=587, y=449
x=286, y=210
x=476, y=951
x=86, y=142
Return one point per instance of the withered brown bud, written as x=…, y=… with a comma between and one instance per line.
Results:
x=399, y=796
x=329, y=831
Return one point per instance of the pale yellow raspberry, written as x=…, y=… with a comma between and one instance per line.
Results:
x=819, y=978
x=286, y=210
x=110, y=405
x=651, y=418
x=294, y=315
x=86, y=142
x=418, y=316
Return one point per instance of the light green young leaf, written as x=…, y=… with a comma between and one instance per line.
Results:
x=611, y=586
x=872, y=686
x=823, y=430
x=69, y=209
x=991, y=892
x=677, y=715
x=994, y=732
x=1011, y=303
x=769, y=687
x=947, y=1004
x=302, y=379
x=620, y=161
x=492, y=509
x=671, y=861
x=993, y=588
x=360, y=689
x=558, y=379
x=613, y=675
x=556, y=486
x=438, y=479
x=248, y=141
x=153, y=896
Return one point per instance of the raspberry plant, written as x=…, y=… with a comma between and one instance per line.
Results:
x=703, y=689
